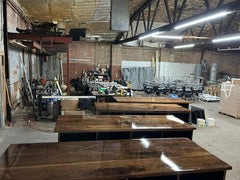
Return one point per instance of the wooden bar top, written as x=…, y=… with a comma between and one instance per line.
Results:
x=120, y=123
x=158, y=100
x=140, y=107
x=110, y=160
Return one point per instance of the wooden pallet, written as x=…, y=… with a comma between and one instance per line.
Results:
x=213, y=90
x=229, y=115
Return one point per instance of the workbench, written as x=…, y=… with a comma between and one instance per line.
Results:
x=153, y=100
x=111, y=127
x=143, y=159
x=143, y=109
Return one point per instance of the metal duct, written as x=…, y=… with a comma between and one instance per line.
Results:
x=198, y=70
x=213, y=73
x=120, y=15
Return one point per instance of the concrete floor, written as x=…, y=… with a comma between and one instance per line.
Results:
x=222, y=140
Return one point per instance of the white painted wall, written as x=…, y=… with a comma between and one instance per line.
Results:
x=177, y=71
x=131, y=64
x=169, y=71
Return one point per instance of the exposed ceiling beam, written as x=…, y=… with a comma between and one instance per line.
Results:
x=135, y=15
x=181, y=10
x=230, y=7
x=37, y=46
x=154, y=14
x=168, y=12
x=175, y=10
x=32, y=37
x=139, y=11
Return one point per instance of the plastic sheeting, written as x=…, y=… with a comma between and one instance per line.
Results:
x=138, y=76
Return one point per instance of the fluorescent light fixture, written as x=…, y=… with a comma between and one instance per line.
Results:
x=148, y=35
x=211, y=17
x=184, y=46
x=224, y=39
x=168, y=37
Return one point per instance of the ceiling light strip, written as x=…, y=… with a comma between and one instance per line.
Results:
x=208, y=18
x=148, y=35
x=184, y=46
x=167, y=37
x=225, y=39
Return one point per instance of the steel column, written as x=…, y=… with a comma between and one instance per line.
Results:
x=141, y=9
x=144, y=23
x=220, y=27
x=68, y=72
x=168, y=13
x=181, y=9
x=131, y=29
x=203, y=26
x=137, y=25
x=175, y=9
x=213, y=24
x=1, y=105
x=5, y=29
x=149, y=14
x=154, y=14
x=230, y=22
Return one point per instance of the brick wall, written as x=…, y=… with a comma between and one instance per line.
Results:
x=85, y=56
x=99, y=53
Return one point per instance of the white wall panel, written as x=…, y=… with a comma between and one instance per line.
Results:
x=168, y=70
x=131, y=64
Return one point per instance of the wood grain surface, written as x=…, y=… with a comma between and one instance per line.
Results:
x=158, y=100
x=120, y=123
x=108, y=160
x=140, y=108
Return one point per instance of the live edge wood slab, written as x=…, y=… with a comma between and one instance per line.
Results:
x=153, y=100
x=111, y=127
x=168, y=159
x=143, y=109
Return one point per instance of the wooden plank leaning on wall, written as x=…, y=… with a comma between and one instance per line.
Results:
x=3, y=91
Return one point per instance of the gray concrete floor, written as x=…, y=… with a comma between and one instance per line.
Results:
x=222, y=140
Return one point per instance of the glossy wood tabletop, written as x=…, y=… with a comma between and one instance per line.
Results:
x=120, y=123
x=158, y=100
x=111, y=160
x=140, y=107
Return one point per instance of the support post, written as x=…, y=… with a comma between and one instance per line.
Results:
x=5, y=29
x=111, y=63
x=68, y=72
x=1, y=105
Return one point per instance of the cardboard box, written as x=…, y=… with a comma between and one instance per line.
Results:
x=230, y=98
